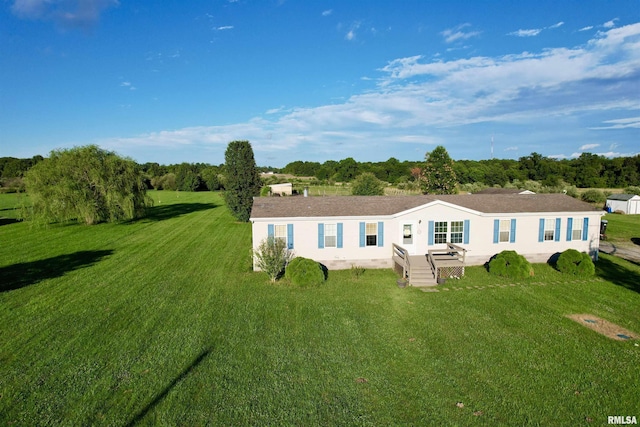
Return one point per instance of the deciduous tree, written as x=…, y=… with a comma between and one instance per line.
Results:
x=367, y=184
x=438, y=176
x=87, y=184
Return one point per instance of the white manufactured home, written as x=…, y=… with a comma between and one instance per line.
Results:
x=382, y=231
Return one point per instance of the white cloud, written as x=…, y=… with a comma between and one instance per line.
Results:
x=610, y=24
x=631, y=122
x=588, y=147
x=128, y=85
x=327, y=12
x=535, y=31
x=514, y=148
x=590, y=27
x=351, y=34
x=454, y=34
x=225, y=27
x=526, y=33
x=420, y=101
x=67, y=13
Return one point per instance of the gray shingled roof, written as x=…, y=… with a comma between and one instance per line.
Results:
x=493, y=190
x=299, y=206
x=623, y=197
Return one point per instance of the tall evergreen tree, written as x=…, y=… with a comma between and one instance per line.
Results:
x=243, y=180
x=438, y=176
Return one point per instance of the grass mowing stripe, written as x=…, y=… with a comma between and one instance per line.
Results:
x=120, y=340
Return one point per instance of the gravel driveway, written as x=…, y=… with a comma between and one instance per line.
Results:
x=628, y=251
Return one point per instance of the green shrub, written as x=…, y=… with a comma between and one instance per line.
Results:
x=304, y=272
x=367, y=184
x=573, y=192
x=632, y=190
x=511, y=265
x=577, y=263
x=593, y=196
x=356, y=271
x=272, y=256
x=265, y=191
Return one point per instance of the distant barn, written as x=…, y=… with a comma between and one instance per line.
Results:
x=285, y=189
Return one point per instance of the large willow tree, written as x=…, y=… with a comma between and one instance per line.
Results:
x=87, y=184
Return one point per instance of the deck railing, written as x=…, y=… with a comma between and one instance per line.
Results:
x=401, y=257
x=448, y=262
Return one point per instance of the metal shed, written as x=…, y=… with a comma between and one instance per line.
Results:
x=627, y=203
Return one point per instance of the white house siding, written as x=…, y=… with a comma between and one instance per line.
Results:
x=480, y=244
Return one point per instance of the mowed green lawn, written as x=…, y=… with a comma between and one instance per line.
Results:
x=161, y=322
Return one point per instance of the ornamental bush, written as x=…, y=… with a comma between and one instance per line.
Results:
x=511, y=265
x=272, y=256
x=576, y=263
x=304, y=272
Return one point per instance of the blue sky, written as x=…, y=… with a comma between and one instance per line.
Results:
x=176, y=81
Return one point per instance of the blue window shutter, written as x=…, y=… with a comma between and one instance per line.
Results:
x=339, y=235
x=431, y=231
x=320, y=236
x=270, y=232
x=541, y=231
x=585, y=229
x=290, y=236
x=556, y=236
x=569, y=228
x=362, y=237
x=466, y=232
x=512, y=234
x=496, y=230
x=380, y=233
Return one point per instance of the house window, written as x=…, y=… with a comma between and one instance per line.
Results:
x=549, y=229
x=505, y=230
x=576, y=232
x=330, y=235
x=457, y=228
x=440, y=232
x=371, y=234
x=280, y=232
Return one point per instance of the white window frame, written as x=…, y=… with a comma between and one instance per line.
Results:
x=576, y=229
x=331, y=239
x=371, y=234
x=549, y=229
x=280, y=232
x=440, y=232
x=505, y=231
x=458, y=233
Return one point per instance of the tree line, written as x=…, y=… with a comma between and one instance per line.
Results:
x=586, y=171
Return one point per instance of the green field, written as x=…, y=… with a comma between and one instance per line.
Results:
x=162, y=322
x=623, y=229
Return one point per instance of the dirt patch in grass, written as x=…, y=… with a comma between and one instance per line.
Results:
x=604, y=327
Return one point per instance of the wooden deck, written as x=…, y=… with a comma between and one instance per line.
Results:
x=425, y=270
x=448, y=262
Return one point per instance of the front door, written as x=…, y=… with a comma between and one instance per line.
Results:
x=408, y=236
